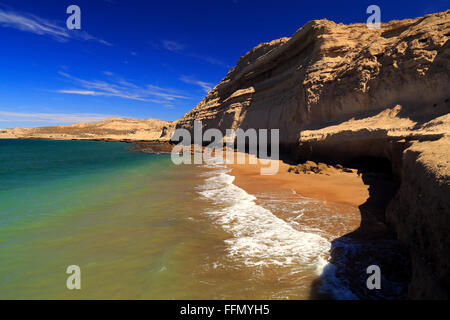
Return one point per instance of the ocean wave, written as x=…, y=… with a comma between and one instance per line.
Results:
x=259, y=237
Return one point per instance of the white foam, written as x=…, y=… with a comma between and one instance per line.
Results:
x=259, y=237
x=331, y=284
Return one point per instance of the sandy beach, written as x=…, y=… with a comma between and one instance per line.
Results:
x=341, y=196
x=349, y=210
x=361, y=201
x=343, y=188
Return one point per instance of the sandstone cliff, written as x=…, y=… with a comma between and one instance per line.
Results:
x=328, y=73
x=420, y=212
x=343, y=92
x=110, y=129
x=338, y=93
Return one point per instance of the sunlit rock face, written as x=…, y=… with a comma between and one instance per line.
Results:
x=114, y=128
x=340, y=92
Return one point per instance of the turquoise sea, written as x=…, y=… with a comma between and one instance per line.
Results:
x=140, y=227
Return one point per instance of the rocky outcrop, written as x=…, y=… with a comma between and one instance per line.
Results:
x=114, y=129
x=340, y=93
x=328, y=73
x=420, y=213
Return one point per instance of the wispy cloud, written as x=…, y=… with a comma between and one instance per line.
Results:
x=6, y=116
x=172, y=46
x=121, y=88
x=34, y=24
x=180, y=48
x=206, y=86
x=209, y=59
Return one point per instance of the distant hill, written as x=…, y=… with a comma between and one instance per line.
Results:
x=110, y=129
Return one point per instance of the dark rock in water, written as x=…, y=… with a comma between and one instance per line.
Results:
x=159, y=147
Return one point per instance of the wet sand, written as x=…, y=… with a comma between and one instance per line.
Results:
x=342, y=188
x=349, y=213
x=334, y=198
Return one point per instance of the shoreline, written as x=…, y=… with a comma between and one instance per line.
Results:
x=362, y=197
x=352, y=216
x=343, y=188
x=87, y=139
x=344, y=198
x=346, y=188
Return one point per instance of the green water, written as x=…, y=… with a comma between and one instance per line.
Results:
x=112, y=212
x=140, y=227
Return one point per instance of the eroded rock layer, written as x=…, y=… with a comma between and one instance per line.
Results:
x=338, y=93
x=343, y=92
x=327, y=73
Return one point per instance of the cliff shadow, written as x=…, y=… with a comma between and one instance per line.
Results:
x=373, y=243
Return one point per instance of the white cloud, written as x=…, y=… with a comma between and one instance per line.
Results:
x=172, y=46
x=80, y=92
x=123, y=89
x=179, y=48
x=206, y=86
x=31, y=23
x=6, y=116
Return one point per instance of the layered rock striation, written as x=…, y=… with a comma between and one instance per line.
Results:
x=342, y=93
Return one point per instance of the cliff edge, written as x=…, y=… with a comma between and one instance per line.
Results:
x=342, y=93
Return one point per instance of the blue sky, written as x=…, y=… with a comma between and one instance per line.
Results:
x=143, y=59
